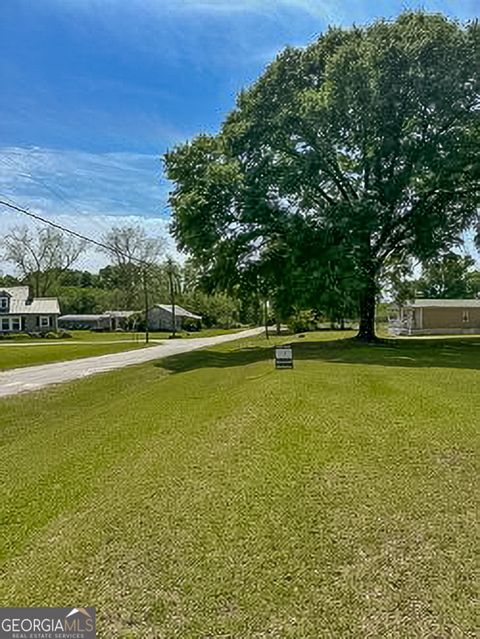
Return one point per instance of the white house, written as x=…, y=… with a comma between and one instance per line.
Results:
x=160, y=317
x=19, y=312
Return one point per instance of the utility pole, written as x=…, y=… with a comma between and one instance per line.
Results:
x=172, y=297
x=85, y=238
x=145, y=292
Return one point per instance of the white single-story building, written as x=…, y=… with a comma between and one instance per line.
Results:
x=107, y=321
x=160, y=317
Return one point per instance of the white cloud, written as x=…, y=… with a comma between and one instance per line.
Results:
x=318, y=8
x=315, y=7
x=102, y=183
x=87, y=192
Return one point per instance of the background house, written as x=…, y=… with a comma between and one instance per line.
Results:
x=19, y=312
x=437, y=317
x=160, y=318
x=107, y=321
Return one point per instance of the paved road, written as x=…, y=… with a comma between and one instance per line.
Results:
x=19, y=380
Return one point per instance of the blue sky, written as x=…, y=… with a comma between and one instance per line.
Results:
x=94, y=91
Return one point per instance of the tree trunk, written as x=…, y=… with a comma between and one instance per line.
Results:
x=366, y=331
x=37, y=284
x=265, y=317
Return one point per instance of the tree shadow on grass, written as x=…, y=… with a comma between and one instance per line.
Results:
x=406, y=353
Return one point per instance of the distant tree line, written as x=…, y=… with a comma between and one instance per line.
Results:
x=448, y=276
x=44, y=259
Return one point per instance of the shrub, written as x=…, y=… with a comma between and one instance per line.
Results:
x=15, y=336
x=63, y=334
x=302, y=321
x=190, y=324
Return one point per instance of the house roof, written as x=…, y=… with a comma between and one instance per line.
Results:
x=17, y=292
x=120, y=314
x=72, y=317
x=38, y=306
x=22, y=304
x=81, y=318
x=179, y=311
x=431, y=303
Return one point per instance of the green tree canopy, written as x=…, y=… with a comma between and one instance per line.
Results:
x=131, y=250
x=360, y=148
x=41, y=256
x=450, y=276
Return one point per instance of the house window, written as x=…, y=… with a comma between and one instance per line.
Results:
x=11, y=324
x=465, y=316
x=44, y=321
x=3, y=303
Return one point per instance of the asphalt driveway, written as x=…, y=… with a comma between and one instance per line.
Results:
x=20, y=380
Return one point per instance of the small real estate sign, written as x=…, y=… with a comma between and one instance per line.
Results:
x=283, y=356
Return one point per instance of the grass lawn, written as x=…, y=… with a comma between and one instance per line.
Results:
x=50, y=351
x=208, y=332
x=212, y=496
x=82, y=344
x=204, y=332
x=98, y=336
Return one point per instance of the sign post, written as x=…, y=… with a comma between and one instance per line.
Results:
x=283, y=356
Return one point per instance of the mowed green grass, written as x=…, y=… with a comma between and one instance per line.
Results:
x=213, y=496
x=26, y=354
x=140, y=336
x=22, y=352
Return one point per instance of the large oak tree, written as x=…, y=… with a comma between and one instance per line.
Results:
x=360, y=149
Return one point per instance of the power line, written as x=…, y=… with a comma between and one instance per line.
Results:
x=57, y=191
x=102, y=245
x=76, y=234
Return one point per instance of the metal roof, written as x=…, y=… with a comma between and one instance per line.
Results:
x=38, y=306
x=22, y=304
x=18, y=292
x=96, y=316
x=81, y=318
x=431, y=303
x=179, y=310
x=120, y=314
